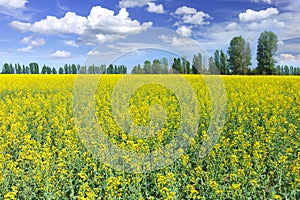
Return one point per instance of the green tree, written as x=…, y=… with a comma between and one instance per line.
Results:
x=34, y=68
x=223, y=63
x=115, y=70
x=197, y=66
x=239, y=55
x=134, y=70
x=147, y=67
x=212, y=68
x=6, y=69
x=185, y=65
x=188, y=67
x=174, y=66
x=66, y=69
x=165, y=65
x=102, y=68
x=278, y=70
x=246, y=59
x=49, y=70
x=266, y=49
x=91, y=69
x=61, y=70
x=177, y=66
x=27, y=70
x=19, y=69
x=217, y=60
x=79, y=68
x=220, y=60
x=138, y=70
x=156, y=66
x=23, y=69
x=121, y=69
x=295, y=71
x=54, y=71
x=286, y=70
x=44, y=69
x=11, y=69
x=74, y=69
x=84, y=71
x=110, y=69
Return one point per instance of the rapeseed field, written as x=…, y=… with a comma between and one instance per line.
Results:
x=46, y=154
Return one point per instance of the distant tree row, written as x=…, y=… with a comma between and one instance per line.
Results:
x=33, y=68
x=236, y=61
x=111, y=69
x=183, y=66
x=239, y=58
x=156, y=67
x=179, y=65
x=48, y=70
x=287, y=70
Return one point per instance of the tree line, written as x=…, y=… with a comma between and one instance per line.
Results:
x=239, y=58
x=178, y=66
x=236, y=62
x=33, y=68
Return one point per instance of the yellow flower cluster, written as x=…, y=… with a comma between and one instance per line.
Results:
x=42, y=156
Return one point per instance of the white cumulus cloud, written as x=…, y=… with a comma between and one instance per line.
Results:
x=25, y=49
x=61, y=54
x=252, y=15
x=266, y=1
x=100, y=25
x=184, y=31
x=70, y=23
x=191, y=16
x=266, y=24
x=94, y=53
x=287, y=56
x=71, y=43
x=197, y=19
x=184, y=10
x=13, y=4
x=159, y=9
x=133, y=3
x=184, y=42
x=33, y=42
x=102, y=20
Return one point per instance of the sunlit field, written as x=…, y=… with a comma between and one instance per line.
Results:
x=256, y=156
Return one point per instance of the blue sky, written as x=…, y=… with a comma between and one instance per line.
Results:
x=62, y=31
